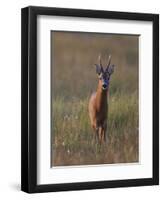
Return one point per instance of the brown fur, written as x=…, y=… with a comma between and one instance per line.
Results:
x=98, y=109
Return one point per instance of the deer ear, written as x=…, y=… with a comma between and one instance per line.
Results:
x=98, y=69
x=111, y=69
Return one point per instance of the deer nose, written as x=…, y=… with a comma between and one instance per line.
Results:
x=104, y=85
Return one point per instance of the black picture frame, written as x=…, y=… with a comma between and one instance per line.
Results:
x=29, y=99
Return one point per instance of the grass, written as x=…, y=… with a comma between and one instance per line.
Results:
x=73, y=137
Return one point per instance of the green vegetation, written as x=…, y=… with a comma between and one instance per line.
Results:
x=73, y=136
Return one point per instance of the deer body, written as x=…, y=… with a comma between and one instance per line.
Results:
x=98, y=103
x=98, y=108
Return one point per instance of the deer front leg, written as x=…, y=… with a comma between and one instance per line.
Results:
x=100, y=134
x=103, y=132
x=96, y=132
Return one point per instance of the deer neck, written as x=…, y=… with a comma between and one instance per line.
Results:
x=101, y=97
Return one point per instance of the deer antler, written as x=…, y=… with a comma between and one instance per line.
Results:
x=100, y=62
x=109, y=61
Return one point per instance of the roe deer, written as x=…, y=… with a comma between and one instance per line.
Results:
x=98, y=105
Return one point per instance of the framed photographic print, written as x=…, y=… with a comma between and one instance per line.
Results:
x=90, y=99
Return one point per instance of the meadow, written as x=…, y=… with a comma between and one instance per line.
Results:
x=74, y=79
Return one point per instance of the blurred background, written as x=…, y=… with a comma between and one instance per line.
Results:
x=73, y=79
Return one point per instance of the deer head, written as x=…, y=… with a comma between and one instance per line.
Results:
x=104, y=74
